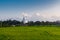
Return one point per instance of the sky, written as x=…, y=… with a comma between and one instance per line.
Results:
x=32, y=10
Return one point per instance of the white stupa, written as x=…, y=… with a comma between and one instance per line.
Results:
x=25, y=18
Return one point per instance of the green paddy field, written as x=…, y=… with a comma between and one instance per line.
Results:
x=30, y=33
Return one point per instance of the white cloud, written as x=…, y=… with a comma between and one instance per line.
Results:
x=25, y=14
x=49, y=14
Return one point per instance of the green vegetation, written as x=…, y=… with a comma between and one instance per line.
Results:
x=30, y=33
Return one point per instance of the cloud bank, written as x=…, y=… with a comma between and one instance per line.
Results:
x=51, y=13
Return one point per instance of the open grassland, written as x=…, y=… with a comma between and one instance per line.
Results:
x=30, y=33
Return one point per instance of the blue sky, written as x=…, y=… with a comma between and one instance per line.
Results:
x=32, y=9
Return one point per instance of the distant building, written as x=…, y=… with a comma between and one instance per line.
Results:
x=24, y=21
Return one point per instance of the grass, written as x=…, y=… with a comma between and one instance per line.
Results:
x=30, y=33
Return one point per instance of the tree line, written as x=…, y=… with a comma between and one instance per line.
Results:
x=13, y=23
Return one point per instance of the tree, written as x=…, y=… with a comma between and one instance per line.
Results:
x=37, y=23
x=30, y=23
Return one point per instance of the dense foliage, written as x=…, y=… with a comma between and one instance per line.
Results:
x=9, y=23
